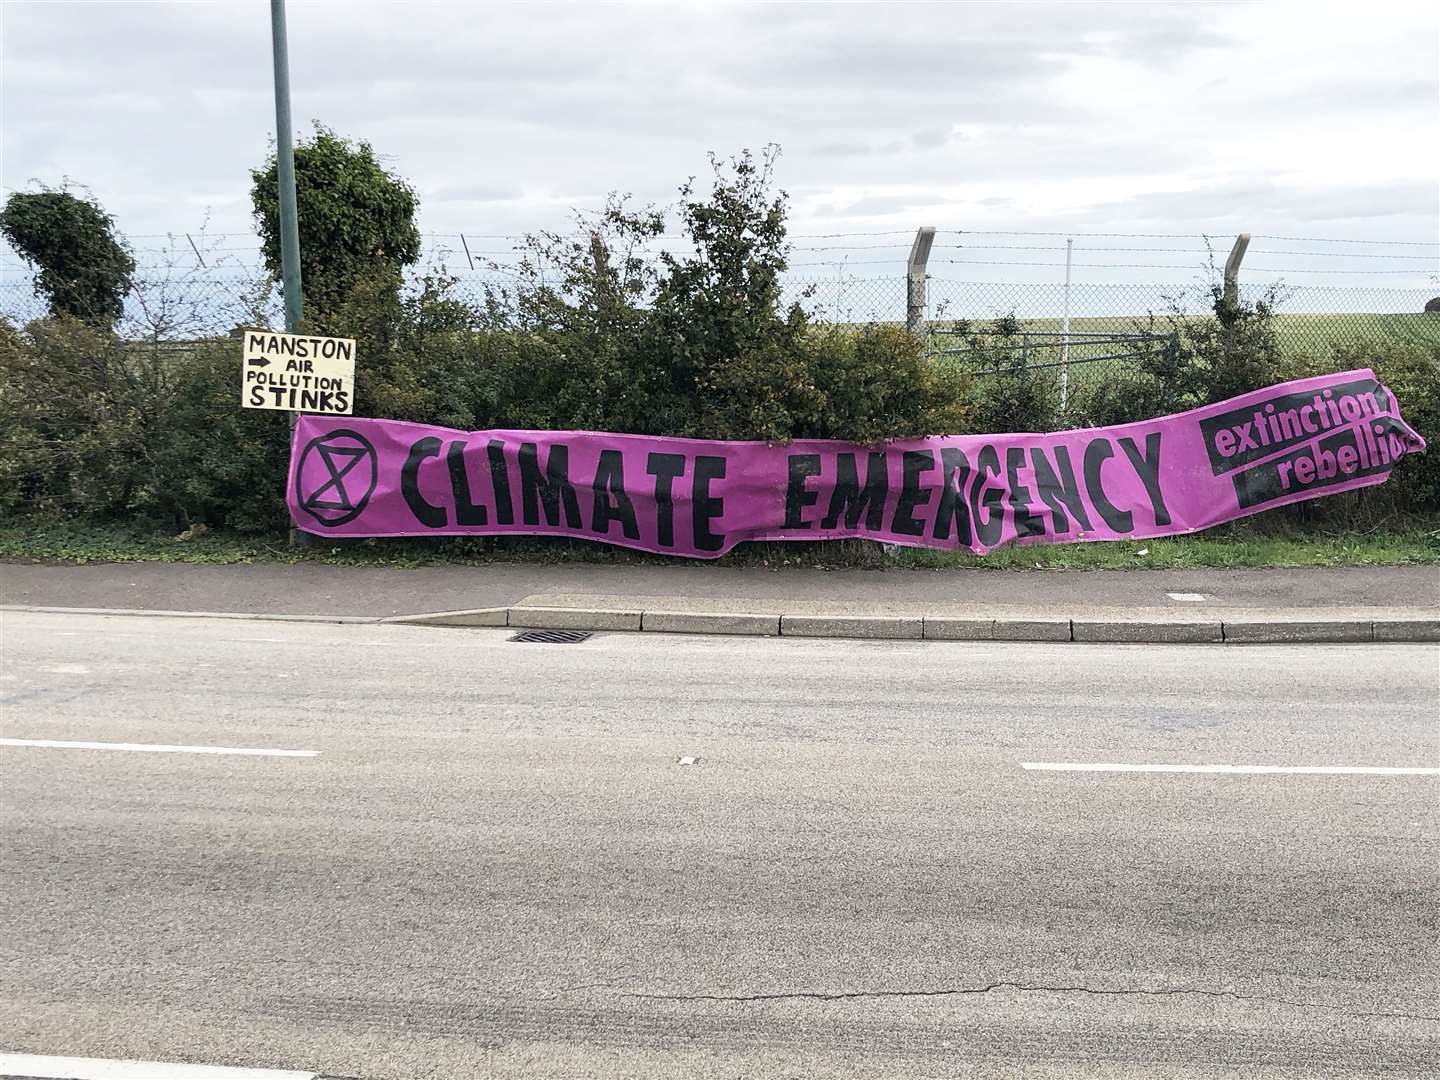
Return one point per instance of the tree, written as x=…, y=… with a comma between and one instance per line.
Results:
x=356, y=220
x=82, y=268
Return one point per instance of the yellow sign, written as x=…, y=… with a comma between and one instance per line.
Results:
x=298, y=373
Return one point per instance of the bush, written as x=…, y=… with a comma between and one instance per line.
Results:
x=877, y=383
x=98, y=428
x=430, y=360
x=699, y=345
x=1413, y=373
x=1200, y=360
x=1006, y=394
x=84, y=270
x=1120, y=398
x=355, y=218
x=596, y=336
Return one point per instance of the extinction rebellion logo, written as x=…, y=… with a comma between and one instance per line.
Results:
x=336, y=476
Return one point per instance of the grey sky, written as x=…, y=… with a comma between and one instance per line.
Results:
x=1306, y=119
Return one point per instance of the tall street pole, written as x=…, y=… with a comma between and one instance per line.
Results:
x=285, y=167
x=285, y=170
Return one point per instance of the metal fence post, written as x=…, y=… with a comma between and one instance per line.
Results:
x=1065, y=332
x=915, y=280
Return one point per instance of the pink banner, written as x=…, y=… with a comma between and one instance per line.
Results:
x=1176, y=474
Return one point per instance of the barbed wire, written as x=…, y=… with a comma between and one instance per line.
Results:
x=1184, y=236
x=1099, y=266
x=1338, y=240
x=1078, y=233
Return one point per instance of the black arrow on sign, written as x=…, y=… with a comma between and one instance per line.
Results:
x=258, y=361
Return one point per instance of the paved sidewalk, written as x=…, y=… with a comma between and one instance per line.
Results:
x=380, y=592
x=1354, y=604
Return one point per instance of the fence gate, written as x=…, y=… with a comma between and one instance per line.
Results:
x=1017, y=348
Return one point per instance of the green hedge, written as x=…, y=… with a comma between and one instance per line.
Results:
x=1413, y=373
x=94, y=428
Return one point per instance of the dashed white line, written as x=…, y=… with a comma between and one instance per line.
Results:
x=1316, y=770
x=1187, y=597
x=77, y=1068
x=157, y=748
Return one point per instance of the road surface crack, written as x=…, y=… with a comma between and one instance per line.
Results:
x=1042, y=988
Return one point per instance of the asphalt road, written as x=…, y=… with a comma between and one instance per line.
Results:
x=495, y=866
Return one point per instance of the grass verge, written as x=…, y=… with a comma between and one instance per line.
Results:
x=1246, y=544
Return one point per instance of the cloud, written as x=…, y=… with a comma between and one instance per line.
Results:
x=1249, y=201
x=472, y=193
x=1017, y=116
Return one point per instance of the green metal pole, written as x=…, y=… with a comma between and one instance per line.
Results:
x=285, y=167
x=285, y=170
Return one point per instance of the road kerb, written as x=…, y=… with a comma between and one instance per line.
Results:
x=1148, y=631
x=1253, y=630
x=162, y=613
x=709, y=622
x=952, y=628
x=893, y=627
x=1297, y=631
x=472, y=617
x=1032, y=630
x=1406, y=629
x=542, y=618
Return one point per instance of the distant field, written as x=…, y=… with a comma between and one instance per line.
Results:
x=1299, y=333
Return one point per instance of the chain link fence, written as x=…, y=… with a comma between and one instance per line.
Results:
x=181, y=295
x=1109, y=325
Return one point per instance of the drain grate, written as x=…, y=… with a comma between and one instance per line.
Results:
x=552, y=637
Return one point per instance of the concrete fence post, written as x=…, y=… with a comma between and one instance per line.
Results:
x=1232, y=291
x=1232, y=268
x=915, y=280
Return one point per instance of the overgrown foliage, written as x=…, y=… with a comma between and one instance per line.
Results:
x=356, y=219
x=593, y=337
x=82, y=268
x=595, y=334
x=697, y=344
x=1412, y=372
x=1199, y=359
x=1010, y=393
x=94, y=427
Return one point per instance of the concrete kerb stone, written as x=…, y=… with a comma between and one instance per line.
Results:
x=1406, y=629
x=541, y=618
x=893, y=627
x=1032, y=630
x=952, y=628
x=713, y=622
x=162, y=613
x=936, y=628
x=473, y=617
x=1284, y=631
x=1147, y=631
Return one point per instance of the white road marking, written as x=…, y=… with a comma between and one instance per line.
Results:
x=68, y=669
x=1317, y=770
x=1187, y=597
x=157, y=748
x=75, y=1068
